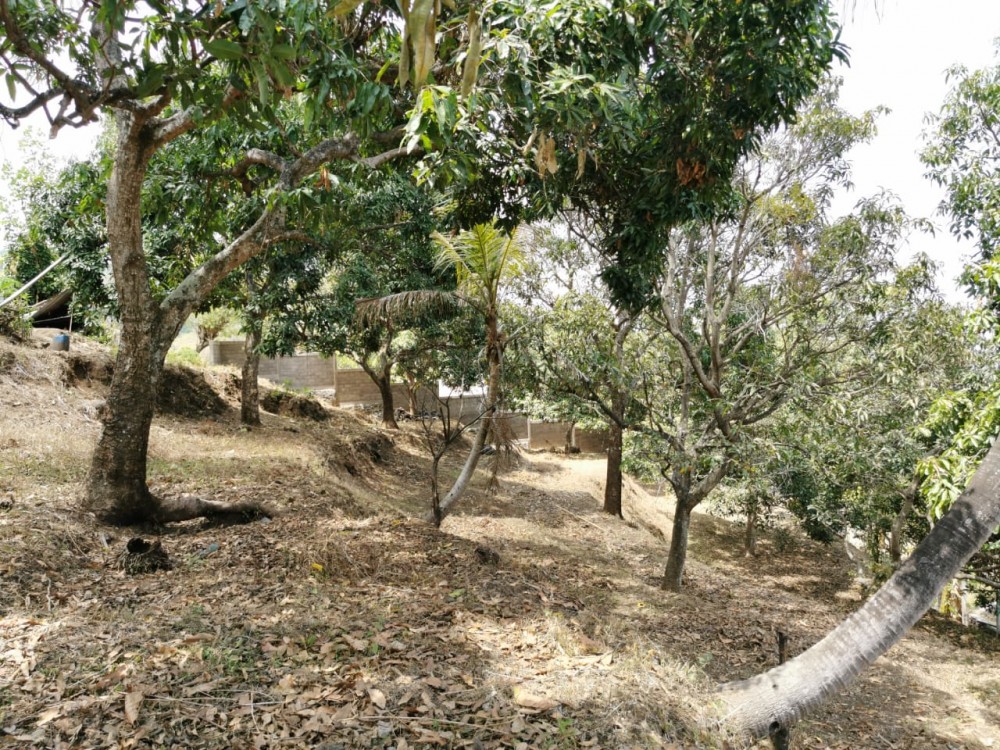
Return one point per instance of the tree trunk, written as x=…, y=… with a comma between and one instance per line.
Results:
x=116, y=486
x=764, y=704
x=613, y=480
x=382, y=378
x=412, y=388
x=493, y=356
x=899, y=522
x=250, y=390
x=750, y=532
x=674, y=573
x=388, y=406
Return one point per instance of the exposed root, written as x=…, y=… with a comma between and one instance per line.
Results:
x=188, y=507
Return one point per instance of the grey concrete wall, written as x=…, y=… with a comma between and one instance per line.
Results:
x=591, y=441
x=301, y=371
x=542, y=435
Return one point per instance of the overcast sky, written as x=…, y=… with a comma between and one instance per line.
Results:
x=899, y=52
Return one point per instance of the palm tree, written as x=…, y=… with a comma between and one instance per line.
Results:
x=770, y=702
x=483, y=257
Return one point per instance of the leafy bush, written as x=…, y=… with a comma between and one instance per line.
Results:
x=185, y=355
x=12, y=320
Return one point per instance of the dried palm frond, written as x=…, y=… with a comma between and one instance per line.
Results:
x=404, y=306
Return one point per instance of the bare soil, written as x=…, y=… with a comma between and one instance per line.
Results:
x=529, y=620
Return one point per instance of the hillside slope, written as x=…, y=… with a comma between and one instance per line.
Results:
x=529, y=620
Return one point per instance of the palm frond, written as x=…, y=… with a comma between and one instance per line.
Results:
x=482, y=257
x=403, y=306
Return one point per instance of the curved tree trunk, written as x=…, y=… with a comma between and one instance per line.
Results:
x=382, y=378
x=493, y=355
x=613, y=479
x=764, y=704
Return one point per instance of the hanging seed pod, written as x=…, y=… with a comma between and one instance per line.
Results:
x=421, y=32
x=472, y=56
x=540, y=155
x=581, y=156
x=404, y=51
x=550, y=156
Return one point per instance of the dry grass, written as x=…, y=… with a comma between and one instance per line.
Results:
x=344, y=621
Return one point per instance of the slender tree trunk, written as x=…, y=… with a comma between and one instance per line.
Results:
x=613, y=479
x=412, y=389
x=899, y=522
x=750, y=532
x=764, y=704
x=493, y=356
x=250, y=390
x=674, y=574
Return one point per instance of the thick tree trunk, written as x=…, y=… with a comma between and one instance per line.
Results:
x=674, y=574
x=613, y=479
x=250, y=387
x=116, y=486
x=764, y=704
x=382, y=378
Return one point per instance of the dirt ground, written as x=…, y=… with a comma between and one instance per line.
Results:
x=529, y=620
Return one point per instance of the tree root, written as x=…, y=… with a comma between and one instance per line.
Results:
x=186, y=508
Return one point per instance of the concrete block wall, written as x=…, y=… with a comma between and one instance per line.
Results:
x=591, y=441
x=301, y=371
x=545, y=435
x=542, y=435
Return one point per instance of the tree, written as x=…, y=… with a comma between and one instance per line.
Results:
x=572, y=358
x=756, y=305
x=964, y=145
x=184, y=67
x=179, y=71
x=483, y=258
x=769, y=702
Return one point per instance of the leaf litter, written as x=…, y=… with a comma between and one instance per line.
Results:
x=344, y=623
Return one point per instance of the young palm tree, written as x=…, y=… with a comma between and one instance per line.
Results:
x=483, y=257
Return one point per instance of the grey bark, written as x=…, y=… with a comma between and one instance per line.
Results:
x=764, y=704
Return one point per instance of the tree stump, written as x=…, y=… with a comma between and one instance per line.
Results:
x=140, y=556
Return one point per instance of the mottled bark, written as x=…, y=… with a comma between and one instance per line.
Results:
x=677, y=556
x=116, y=486
x=250, y=387
x=899, y=522
x=613, y=478
x=764, y=704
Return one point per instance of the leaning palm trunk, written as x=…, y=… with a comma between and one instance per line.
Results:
x=771, y=701
x=492, y=394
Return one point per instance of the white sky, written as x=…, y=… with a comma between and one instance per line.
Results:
x=899, y=51
x=898, y=57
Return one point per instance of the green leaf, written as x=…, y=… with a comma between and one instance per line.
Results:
x=283, y=52
x=224, y=49
x=11, y=86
